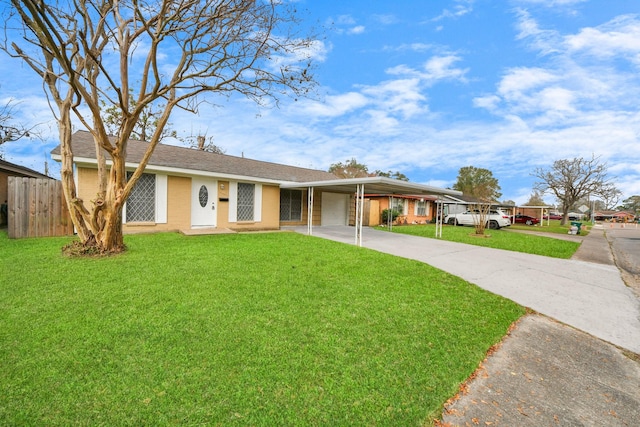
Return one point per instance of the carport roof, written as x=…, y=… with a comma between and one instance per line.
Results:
x=374, y=184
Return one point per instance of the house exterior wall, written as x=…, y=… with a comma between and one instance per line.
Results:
x=178, y=202
x=223, y=203
x=304, y=215
x=4, y=182
x=317, y=210
x=534, y=212
x=4, y=194
x=178, y=207
x=409, y=215
x=270, y=212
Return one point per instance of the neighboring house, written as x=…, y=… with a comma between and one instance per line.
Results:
x=459, y=204
x=615, y=216
x=533, y=211
x=413, y=209
x=10, y=169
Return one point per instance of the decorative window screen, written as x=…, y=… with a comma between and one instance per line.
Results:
x=421, y=208
x=290, y=205
x=398, y=205
x=246, y=201
x=141, y=204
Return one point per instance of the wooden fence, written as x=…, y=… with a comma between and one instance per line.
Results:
x=36, y=208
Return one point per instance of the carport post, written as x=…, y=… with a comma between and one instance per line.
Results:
x=439, y=217
x=390, y=214
x=310, y=211
x=359, y=213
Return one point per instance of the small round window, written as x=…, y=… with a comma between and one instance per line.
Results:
x=203, y=195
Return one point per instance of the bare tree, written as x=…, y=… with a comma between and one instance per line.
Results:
x=572, y=179
x=9, y=130
x=89, y=52
x=535, y=199
x=147, y=122
x=349, y=169
x=632, y=204
x=481, y=184
x=202, y=143
x=393, y=175
x=353, y=169
x=610, y=197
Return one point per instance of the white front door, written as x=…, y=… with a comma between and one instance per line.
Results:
x=204, y=198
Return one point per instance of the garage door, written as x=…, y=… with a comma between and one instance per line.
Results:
x=335, y=209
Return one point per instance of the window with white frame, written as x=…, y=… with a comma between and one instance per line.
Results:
x=290, y=205
x=421, y=208
x=398, y=205
x=141, y=204
x=246, y=202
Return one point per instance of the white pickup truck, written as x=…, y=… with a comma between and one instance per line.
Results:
x=495, y=219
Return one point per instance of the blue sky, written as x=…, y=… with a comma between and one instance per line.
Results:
x=427, y=87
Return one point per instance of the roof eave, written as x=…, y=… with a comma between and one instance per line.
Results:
x=391, y=186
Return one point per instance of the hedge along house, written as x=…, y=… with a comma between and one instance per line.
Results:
x=187, y=190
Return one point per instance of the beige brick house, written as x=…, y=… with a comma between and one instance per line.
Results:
x=189, y=189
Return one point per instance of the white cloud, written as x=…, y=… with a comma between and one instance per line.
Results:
x=412, y=47
x=551, y=3
x=346, y=24
x=333, y=106
x=489, y=102
x=345, y=20
x=440, y=67
x=620, y=36
x=461, y=8
x=358, y=29
x=544, y=41
x=386, y=19
x=434, y=69
x=402, y=96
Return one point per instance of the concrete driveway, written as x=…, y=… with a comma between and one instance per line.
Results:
x=591, y=297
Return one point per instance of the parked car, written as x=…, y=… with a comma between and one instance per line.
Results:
x=552, y=216
x=525, y=219
x=495, y=219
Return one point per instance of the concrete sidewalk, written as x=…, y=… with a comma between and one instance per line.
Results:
x=588, y=296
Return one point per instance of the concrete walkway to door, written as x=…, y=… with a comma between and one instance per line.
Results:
x=588, y=296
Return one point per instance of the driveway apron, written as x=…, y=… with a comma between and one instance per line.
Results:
x=588, y=296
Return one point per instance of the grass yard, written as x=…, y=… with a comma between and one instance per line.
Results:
x=500, y=239
x=553, y=227
x=251, y=329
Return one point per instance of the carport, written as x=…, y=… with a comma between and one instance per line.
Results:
x=376, y=184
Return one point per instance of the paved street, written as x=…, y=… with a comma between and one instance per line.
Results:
x=625, y=245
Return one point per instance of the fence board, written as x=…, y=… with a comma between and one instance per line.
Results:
x=37, y=208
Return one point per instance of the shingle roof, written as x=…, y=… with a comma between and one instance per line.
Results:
x=16, y=170
x=196, y=160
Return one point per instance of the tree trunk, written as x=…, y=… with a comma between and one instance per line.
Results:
x=109, y=235
x=74, y=205
x=99, y=230
x=565, y=216
x=110, y=238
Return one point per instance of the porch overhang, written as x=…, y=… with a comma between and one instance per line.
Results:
x=374, y=184
x=356, y=186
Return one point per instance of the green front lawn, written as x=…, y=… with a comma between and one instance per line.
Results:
x=262, y=329
x=553, y=227
x=499, y=239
